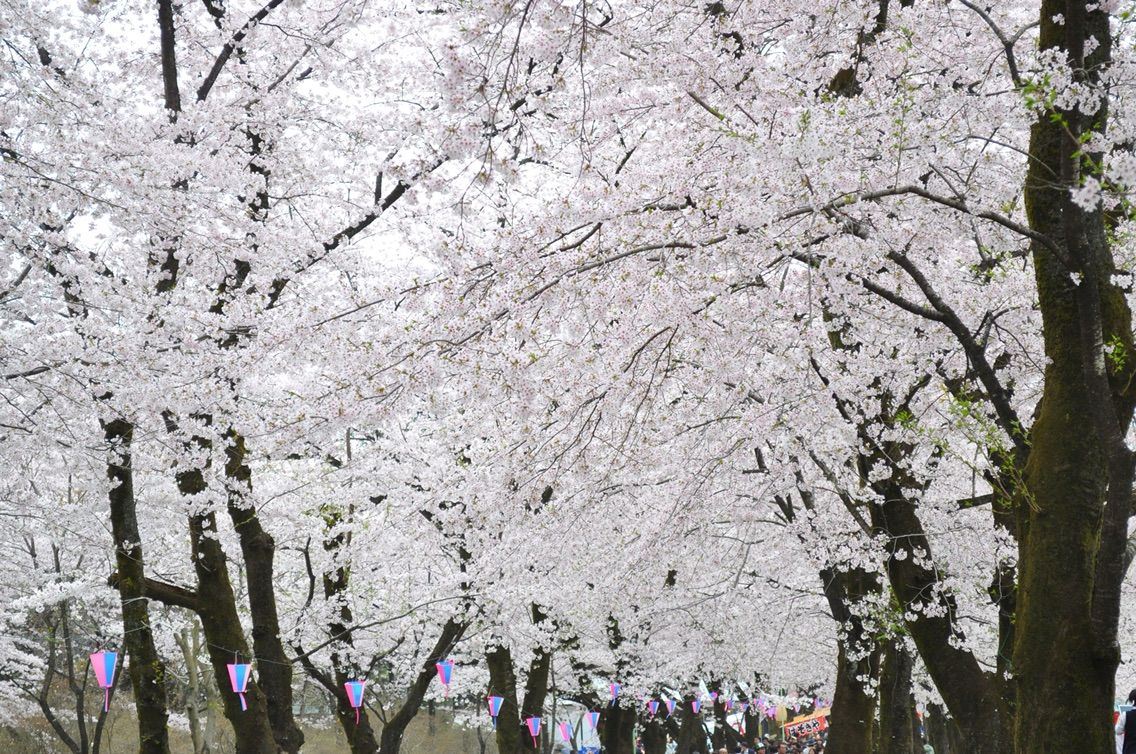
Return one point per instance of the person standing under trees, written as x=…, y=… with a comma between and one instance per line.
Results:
x=1126, y=728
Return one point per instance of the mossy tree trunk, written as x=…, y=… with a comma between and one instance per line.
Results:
x=1074, y=505
x=973, y=695
x=360, y=735
x=942, y=732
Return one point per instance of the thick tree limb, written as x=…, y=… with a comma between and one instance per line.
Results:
x=164, y=592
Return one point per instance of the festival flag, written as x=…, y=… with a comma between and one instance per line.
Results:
x=670, y=706
x=533, y=724
x=593, y=719
x=445, y=674
x=495, y=703
x=615, y=687
x=566, y=732
x=239, y=673
x=653, y=706
x=355, y=695
x=696, y=705
x=104, y=664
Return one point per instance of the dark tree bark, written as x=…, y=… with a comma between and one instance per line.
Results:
x=258, y=550
x=1073, y=510
x=617, y=729
x=147, y=671
x=691, y=735
x=752, y=725
x=360, y=735
x=395, y=728
x=724, y=734
x=973, y=696
x=220, y=622
x=655, y=736
x=512, y=735
x=942, y=732
x=853, y=709
x=503, y=683
x=216, y=607
x=897, y=705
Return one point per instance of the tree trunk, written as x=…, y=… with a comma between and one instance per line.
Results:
x=360, y=735
x=258, y=549
x=617, y=731
x=225, y=638
x=147, y=672
x=216, y=607
x=752, y=725
x=725, y=735
x=691, y=733
x=188, y=646
x=395, y=728
x=503, y=683
x=512, y=734
x=1073, y=511
x=857, y=661
x=897, y=705
x=655, y=737
x=853, y=708
x=972, y=695
x=942, y=732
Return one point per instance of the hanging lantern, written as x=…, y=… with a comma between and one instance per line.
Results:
x=495, y=703
x=696, y=705
x=593, y=719
x=653, y=707
x=355, y=695
x=104, y=664
x=566, y=732
x=670, y=706
x=239, y=676
x=713, y=696
x=533, y=724
x=615, y=687
x=728, y=704
x=445, y=674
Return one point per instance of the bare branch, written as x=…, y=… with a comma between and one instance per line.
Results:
x=231, y=46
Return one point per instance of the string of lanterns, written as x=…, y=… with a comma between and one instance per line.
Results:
x=105, y=664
